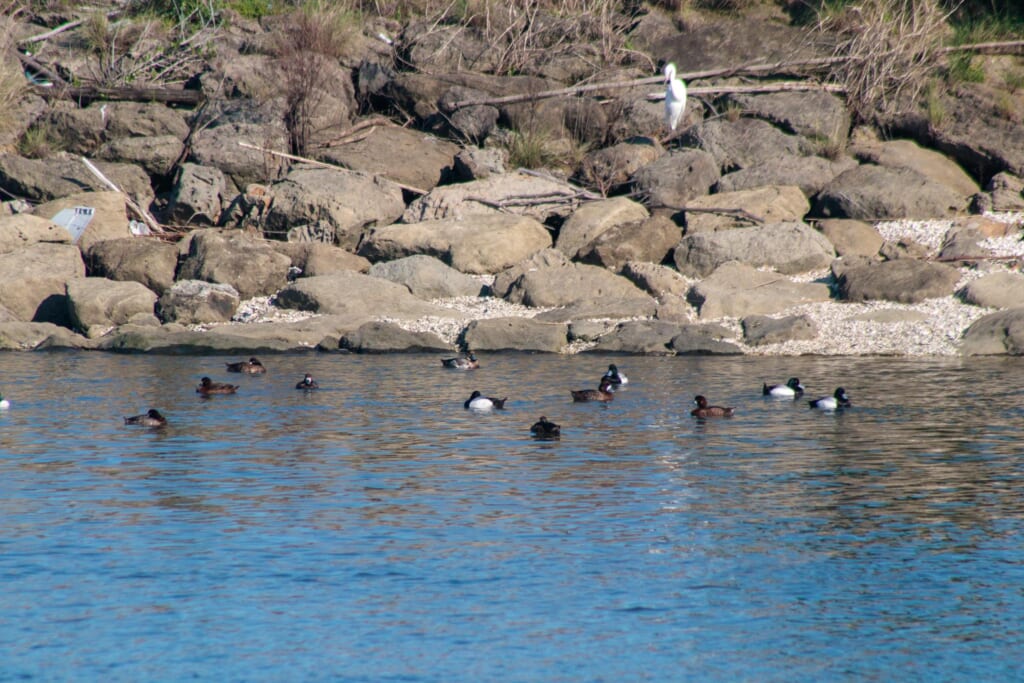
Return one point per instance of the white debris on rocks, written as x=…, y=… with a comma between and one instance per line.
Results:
x=472, y=308
x=260, y=309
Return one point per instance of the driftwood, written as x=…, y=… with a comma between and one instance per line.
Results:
x=139, y=211
x=293, y=157
x=139, y=94
x=739, y=213
x=356, y=133
x=63, y=27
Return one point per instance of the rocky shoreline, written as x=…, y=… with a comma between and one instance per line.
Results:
x=787, y=227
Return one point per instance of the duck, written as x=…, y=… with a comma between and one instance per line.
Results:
x=151, y=418
x=615, y=376
x=249, y=367
x=481, y=403
x=467, y=362
x=207, y=387
x=791, y=389
x=545, y=429
x=704, y=410
x=839, y=399
x=4, y=403
x=307, y=383
x=603, y=393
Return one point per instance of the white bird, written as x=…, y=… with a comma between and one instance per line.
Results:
x=4, y=403
x=675, y=97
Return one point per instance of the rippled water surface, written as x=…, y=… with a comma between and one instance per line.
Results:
x=374, y=530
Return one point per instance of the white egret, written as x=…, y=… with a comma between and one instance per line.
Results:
x=675, y=97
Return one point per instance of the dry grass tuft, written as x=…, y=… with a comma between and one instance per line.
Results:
x=892, y=48
x=13, y=85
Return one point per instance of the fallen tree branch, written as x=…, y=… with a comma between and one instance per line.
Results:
x=140, y=212
x=63, y=27
x=739, y=213
x=293, y=157
x=349, y=136
x=132, y=94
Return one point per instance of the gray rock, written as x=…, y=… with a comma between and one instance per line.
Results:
x=475, y=122
x=354, y=295
x=650, y=240
x=600, y=308
x=344, y=203
x=996, y=290
x=876, y=193
x=198, y=196
x=428, y=278
x=674, y=308
x=109, y=220
x=142, y=120
x=639, y=336
x=906, y=281
x=962, y=242
x=41, y=180
x=381, y=337
x=760, y=329
x=150, y=262
x=612, y=167
x=889, y=316
x=97, y=305
x=1006, y=191
x=27, y=336
x=402, y=155
x=175, y=339
x=22, y=229
x=78, y=131
x=742, y=143
x=545, y=258
x=249, y=265
x=589, y=330
x=850, y=237
x=677, y=177
x=703, y=340
x=156, y=155
x=218, y=147
x=903, y=248
x=658, y=280
x=477, y=244
x=516, y=334
x=809, y=173
x=593, y=219
x=32, y=281
x=772, y=204
x=728, y=41
x=571, y=284
x=977, y=133
x=317, y=258
x=738, y=290
x=474, y=163
x=191, y=302
x=787, y=247
x=929, y=163
x=996, y=334
x=816, y=114
x=461, y=200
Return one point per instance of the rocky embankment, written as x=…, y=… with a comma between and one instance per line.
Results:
x=781, y=229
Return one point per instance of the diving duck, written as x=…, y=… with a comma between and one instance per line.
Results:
x=480, y=403
x=4, y=403
x=151, y=418
x=704, y=410
x=248, y=367
x=467, y=362
x=615, y=376
x=307, y=383
x=791, y=389
x=545, y=429
x=837, y=400
x=602, y=393
x=207, y=387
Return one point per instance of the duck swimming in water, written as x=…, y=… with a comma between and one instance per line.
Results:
x=603, y=393
x=207, y=387
x=615, y=376
x=839, y=399
x=307, y=383
x=4, y=403
x=467, y=362
x=545, y=429
x=480, y=403
x=704, y=410
x=248, y=367
x=152, y=418
x=791, y=389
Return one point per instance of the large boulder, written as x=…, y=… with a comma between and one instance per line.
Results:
x=742, y=143
x=517, y=193
x=591, y=220
x=32, y=281
x=611, y=167
x=341, y=204
x=728, y=41
x=476, y=244
x=545, y=258
x=677, y=177
x=156, y=155
x=109, y=219
x=996, y=334
x=996, y=290
x=704, y=340
x=59, y=176
x=27, y=336
x=357, y=296
x=870, y=192
x=815, y=114
x=907, y=281
x=787, y=247
x=650, y=240
x=198, y=196
x=384, y=337
x=97, y=305
x=516, y=334
x=428, y=277
x=141, y=120
x=773, y=204
x=639, y=336
x=249, y=265
x=809, y=173
x=150, y=262
x=195, y=302
x=218, y=147
x=761, y=329
x=850, y=237
x=570, y=284
x=908, y=154
x=317, y=258
x=23, y=229
x=660, y=281
x=403, y=155
x=601, y=308
x=737, y=290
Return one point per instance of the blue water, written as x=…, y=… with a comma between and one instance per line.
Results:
x=376, y=531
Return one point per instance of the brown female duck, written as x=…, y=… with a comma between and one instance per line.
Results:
x=249, y=367
x=208, y=387
x=704, y=410
x=603, y=393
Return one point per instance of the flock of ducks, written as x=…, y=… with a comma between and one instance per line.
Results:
x=613, y=379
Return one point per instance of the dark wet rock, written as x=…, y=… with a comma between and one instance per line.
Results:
x=516, y=334
x=383, y=337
